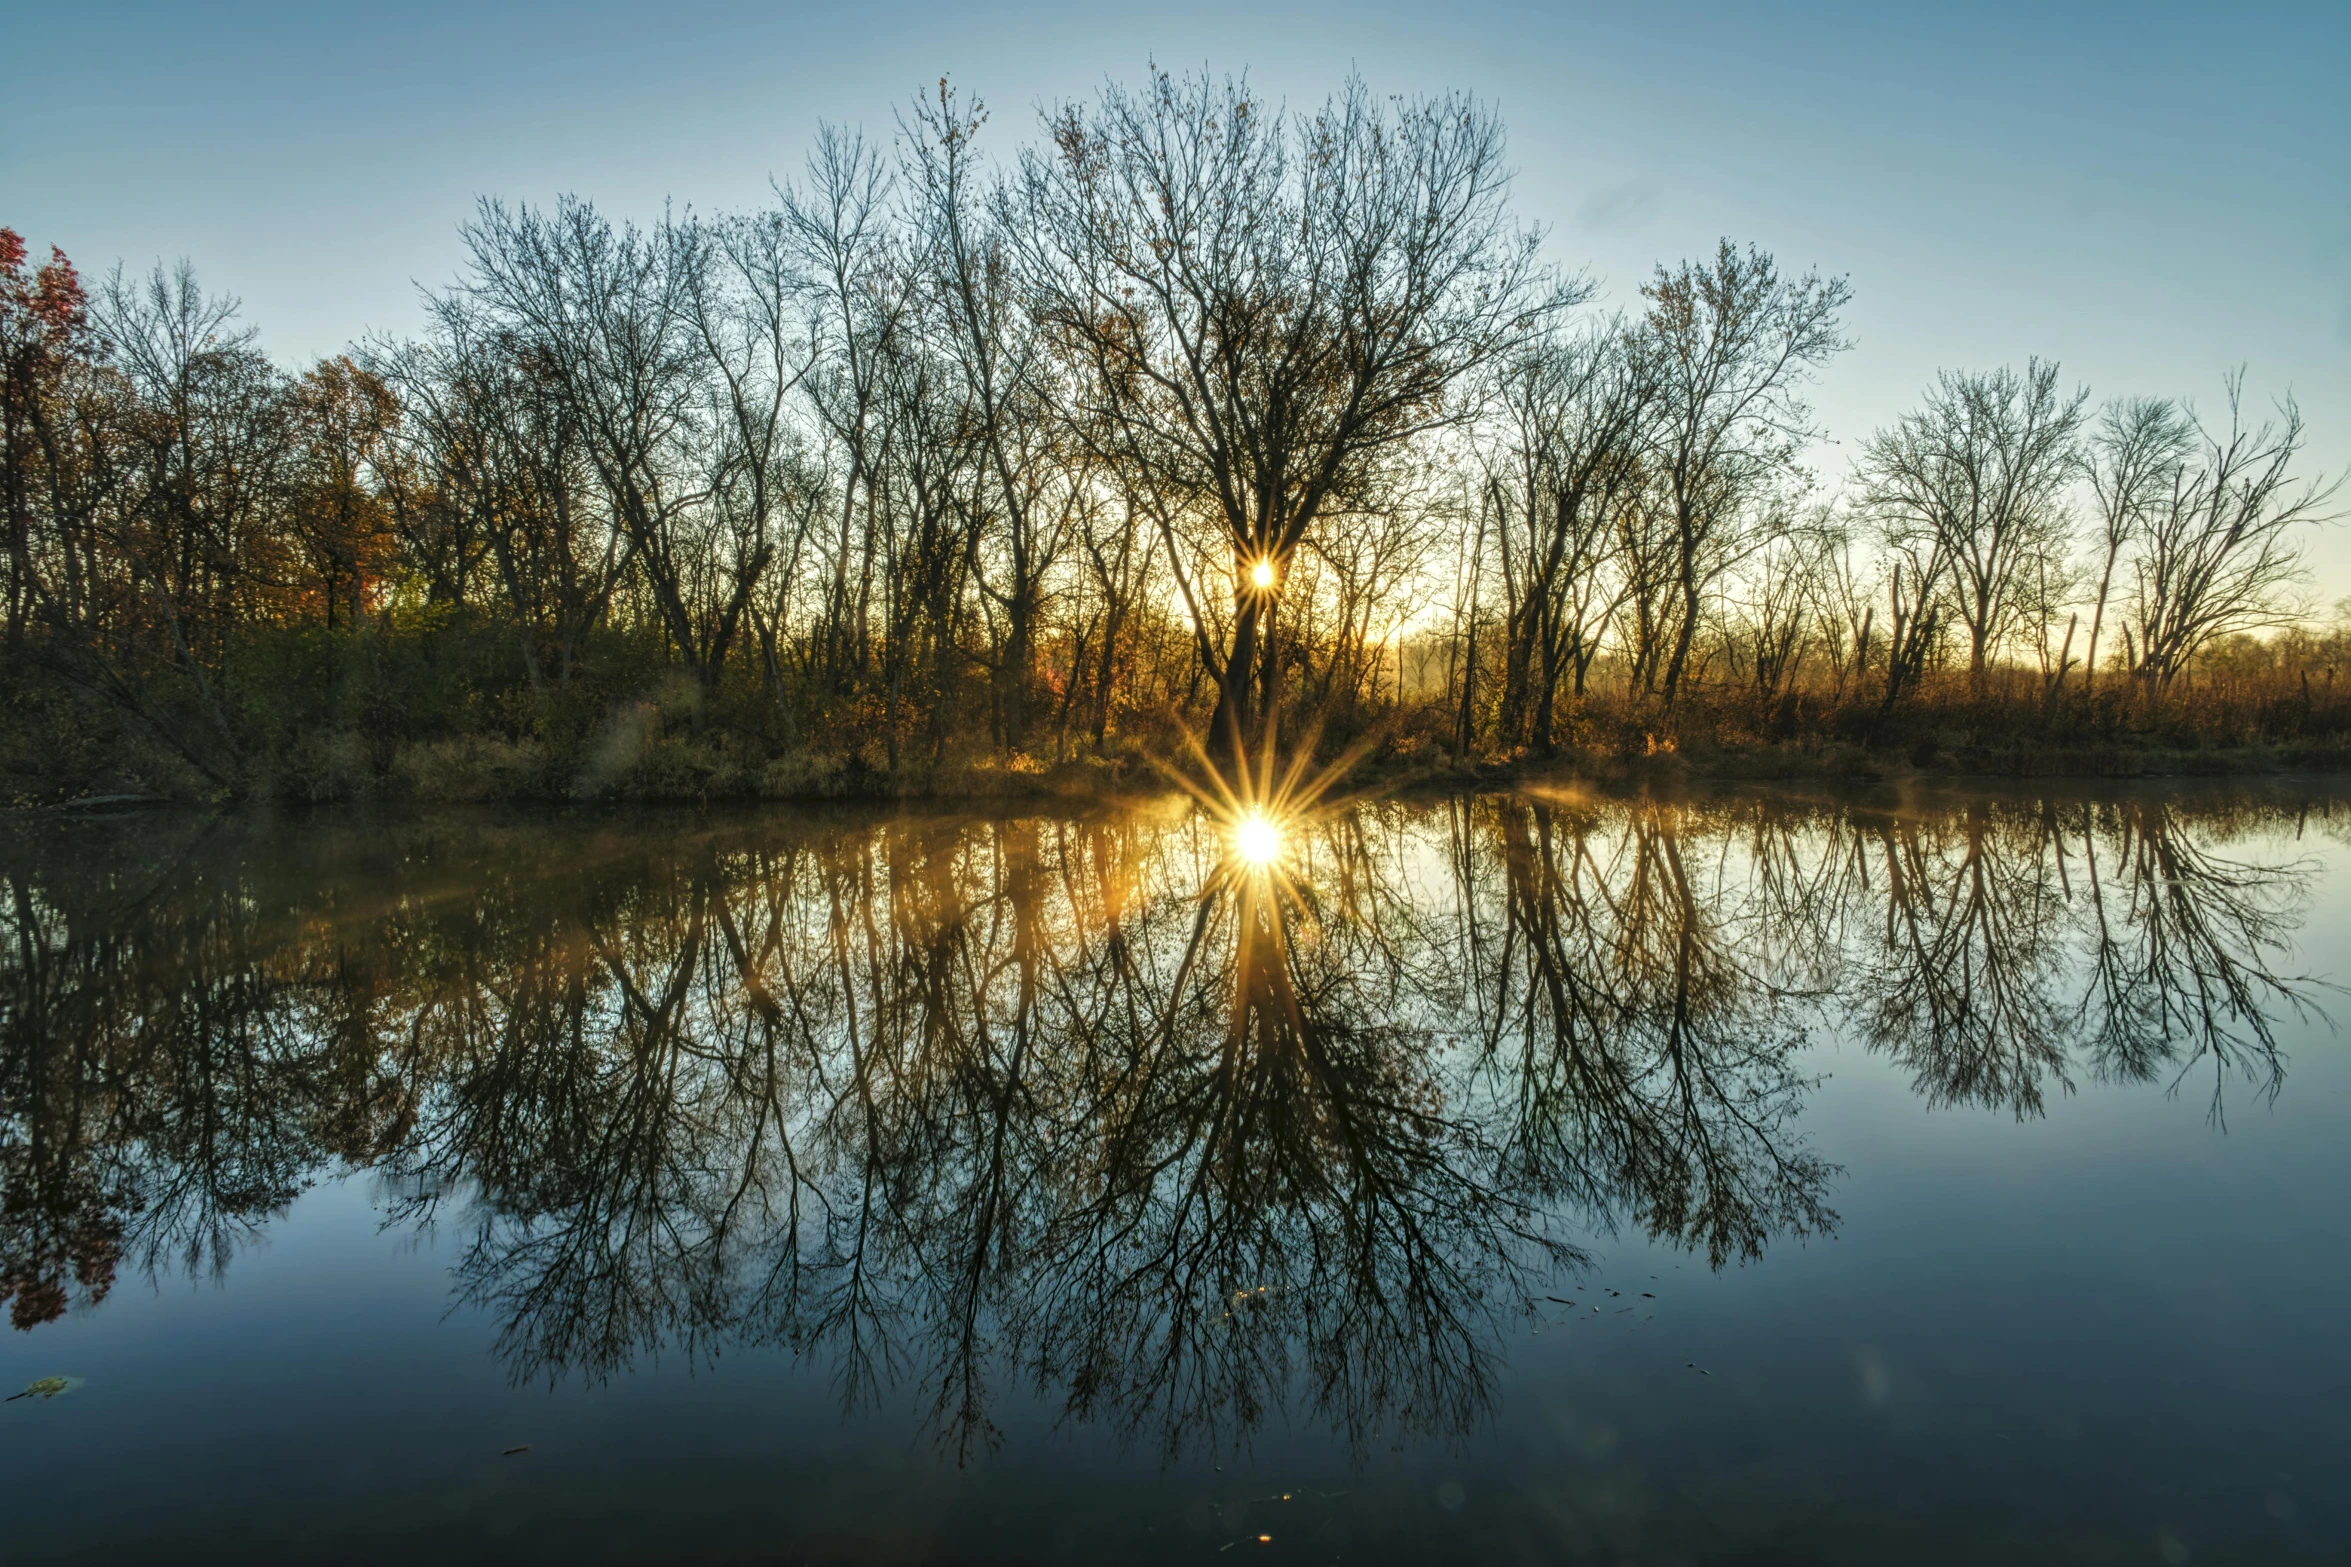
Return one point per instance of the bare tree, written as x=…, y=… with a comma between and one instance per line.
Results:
x=1263, y=307
x=1775, y=610
x=1982, y=471
x=1915, y=625
x=2138, y=446
x=1572, y=422
x=608, y=310
x=1843, y=595
x=739, y=289
x=862, y=289
x=203, y=455
x=923, y=517
x=2219, y=555
x=495, y=470
x=964, y=248
x=1730, y=341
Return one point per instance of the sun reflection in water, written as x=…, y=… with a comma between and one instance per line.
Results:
x=1257, y=840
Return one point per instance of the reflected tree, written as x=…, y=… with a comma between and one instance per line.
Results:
x=1176, y=1142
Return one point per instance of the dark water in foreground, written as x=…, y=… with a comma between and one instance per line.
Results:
x=1759, y=1180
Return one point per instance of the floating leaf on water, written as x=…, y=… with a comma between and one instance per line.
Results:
x=46, y=1388
x=510, y=1452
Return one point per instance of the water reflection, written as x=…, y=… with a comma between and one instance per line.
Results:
x=1089, y=1106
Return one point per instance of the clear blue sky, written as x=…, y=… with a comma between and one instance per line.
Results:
x=2150, y=193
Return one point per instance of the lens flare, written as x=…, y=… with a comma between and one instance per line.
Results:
x=1262, y=575
x=1256, y=840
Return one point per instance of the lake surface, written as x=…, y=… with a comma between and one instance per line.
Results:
x=1755, y=1178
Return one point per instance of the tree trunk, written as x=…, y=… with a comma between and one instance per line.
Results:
x=1229, y=725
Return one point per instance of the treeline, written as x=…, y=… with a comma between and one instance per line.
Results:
x=938, y=469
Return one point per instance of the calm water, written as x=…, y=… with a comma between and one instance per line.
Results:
x=1757, y=1179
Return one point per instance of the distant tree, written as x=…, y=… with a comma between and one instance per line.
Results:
x=44, y=336
x=1975, y=481
x=196, y=526
x=2139, y=445
x=343, y=420
x=2218, y=555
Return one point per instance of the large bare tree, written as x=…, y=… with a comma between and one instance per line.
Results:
x=1264, y=306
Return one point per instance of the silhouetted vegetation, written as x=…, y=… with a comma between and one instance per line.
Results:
x=954, y=472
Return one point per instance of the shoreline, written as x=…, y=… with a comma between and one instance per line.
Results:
x=1092, y=782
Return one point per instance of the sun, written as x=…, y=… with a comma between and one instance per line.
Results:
x=1256, y=840
x=1262, y=575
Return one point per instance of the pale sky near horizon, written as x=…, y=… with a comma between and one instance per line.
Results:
x=2151, y=194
